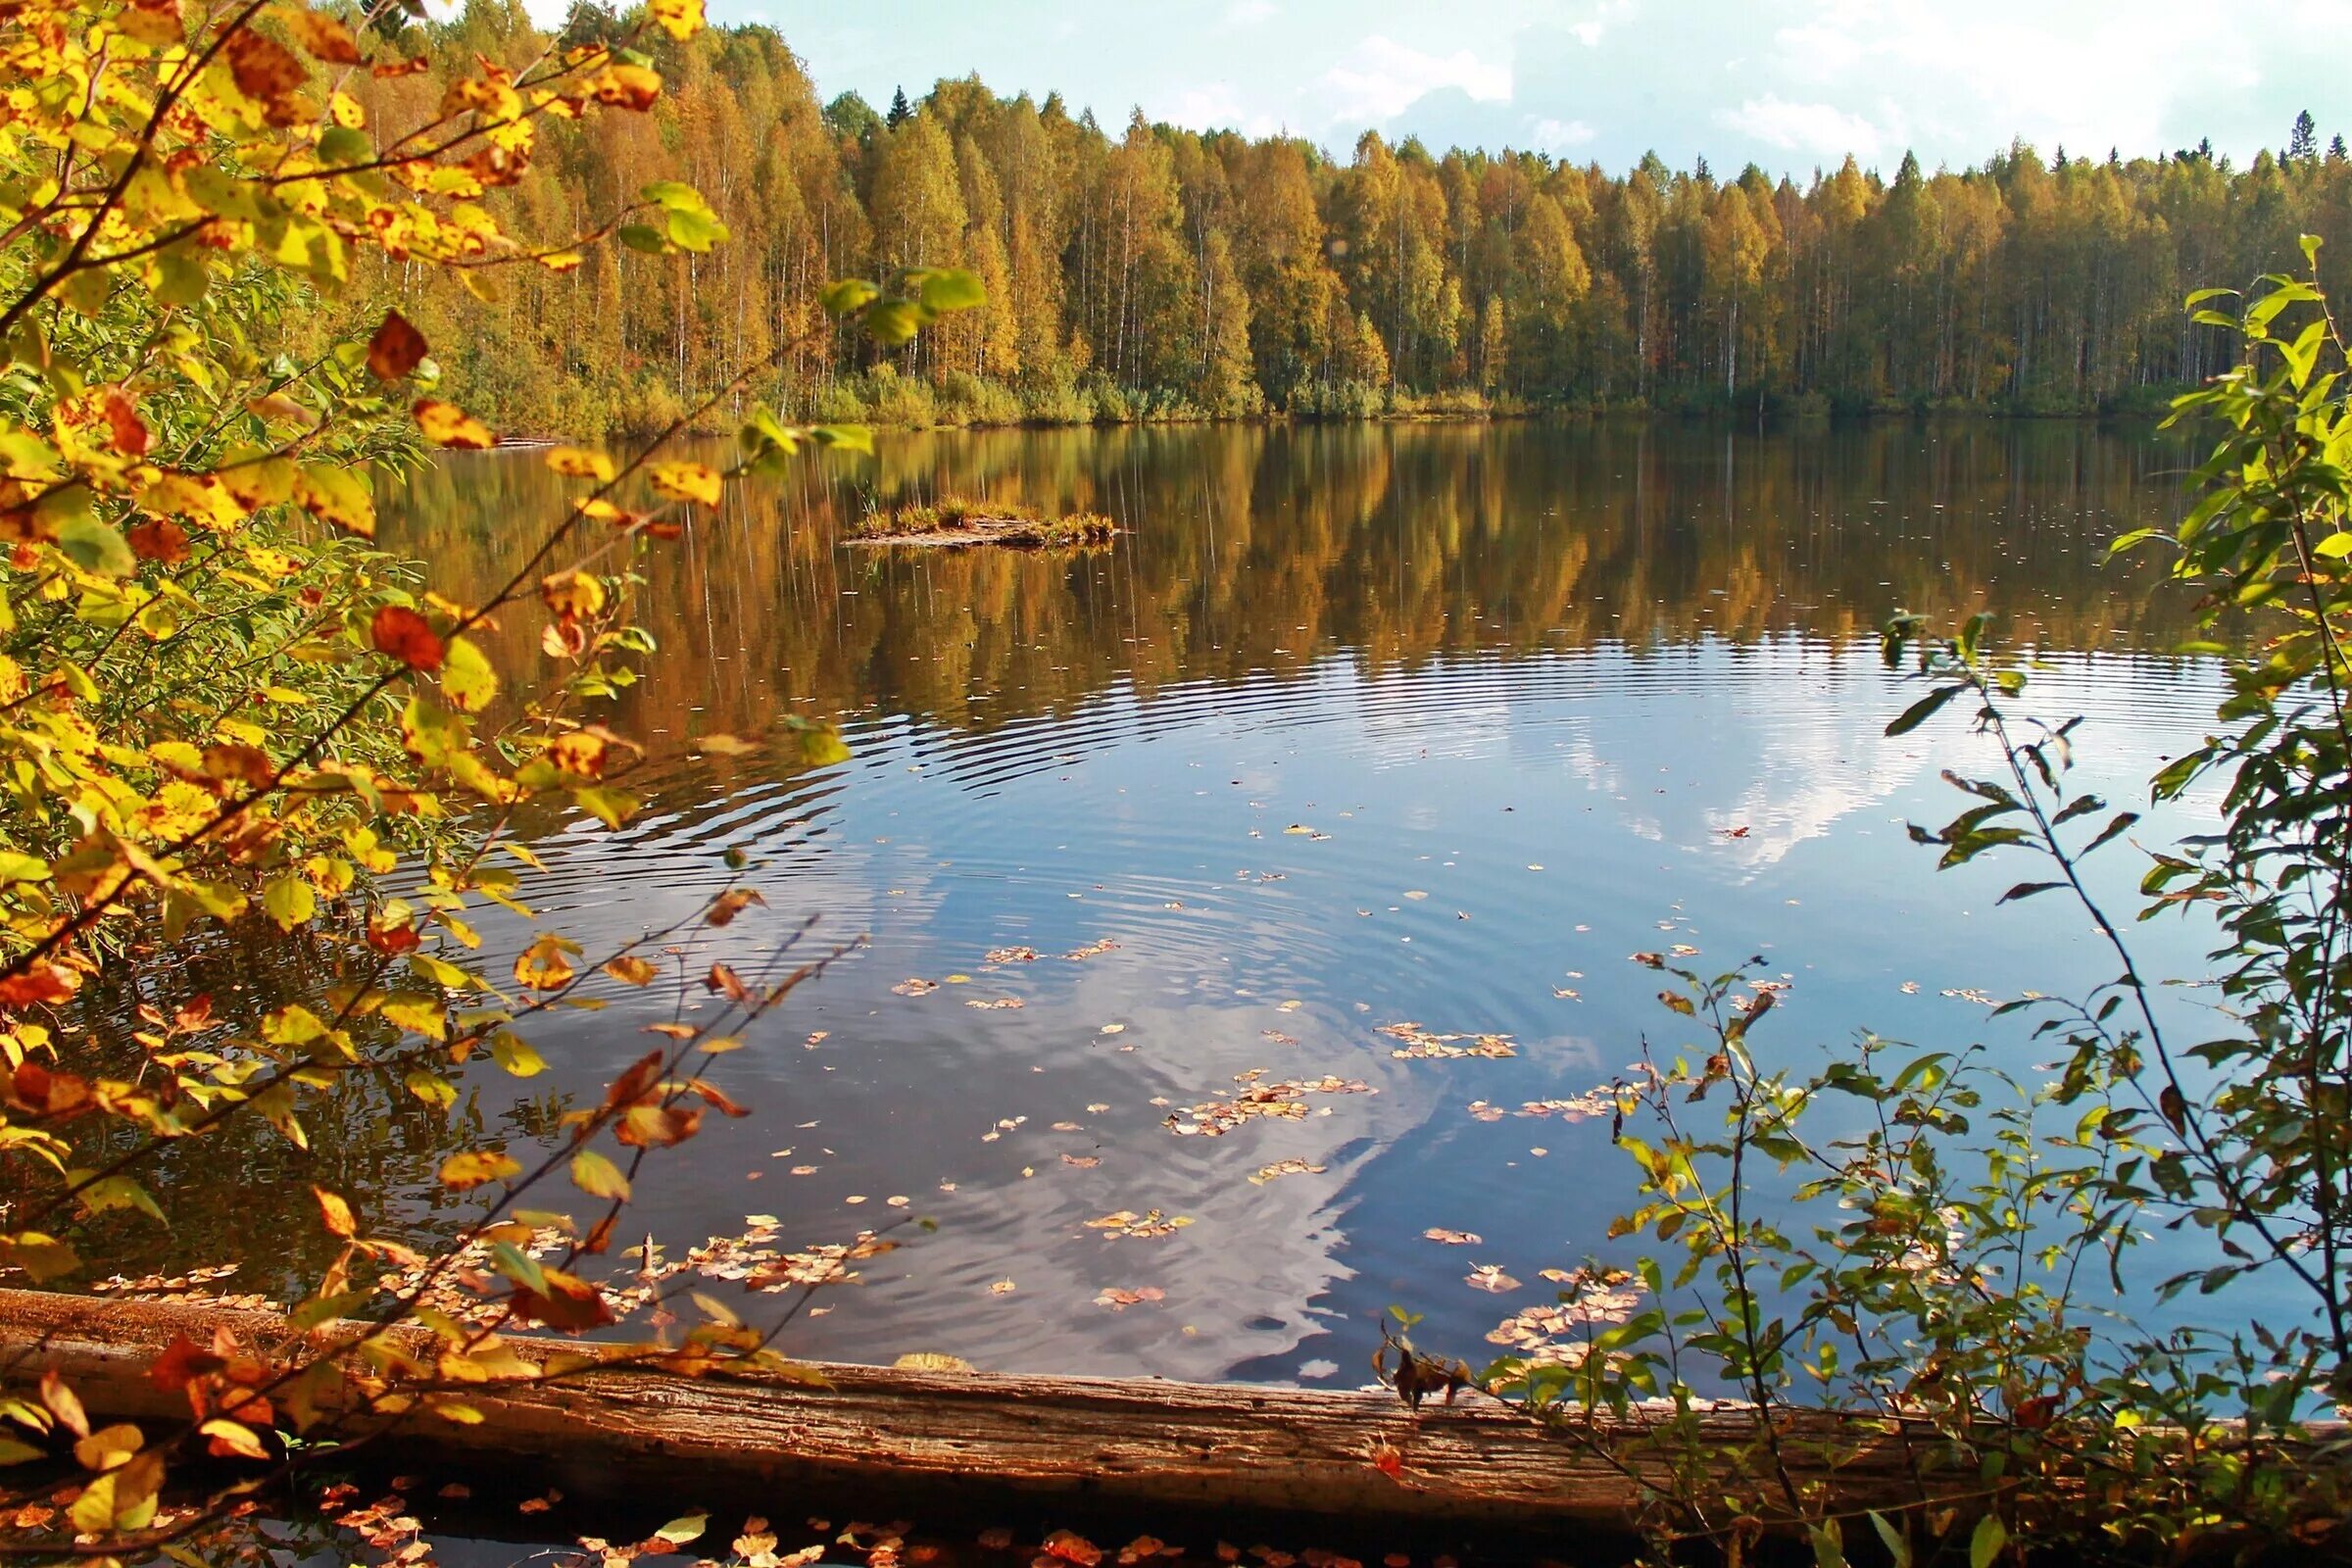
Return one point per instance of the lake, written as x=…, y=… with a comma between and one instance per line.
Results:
x=1354, y=728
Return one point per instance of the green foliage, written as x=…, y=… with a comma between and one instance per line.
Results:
x=1952, y=1262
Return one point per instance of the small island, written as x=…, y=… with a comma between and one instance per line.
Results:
x=955, y=522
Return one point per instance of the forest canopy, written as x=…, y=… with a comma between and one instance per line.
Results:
x=1144, y=271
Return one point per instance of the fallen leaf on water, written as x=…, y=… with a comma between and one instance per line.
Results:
x=1490, y=1276
x=803, y=1170
x=1010, y=955
x=995, y=1003
x=1422, y=1044
x=1284, y=1167
x=1415, y=894
x=1071, y=1546
x=1279, y=1037
x=1486, y=1113
x=915, y=987
x=1285, y=1100
x=1113, y=1029
x=1002, y=1288
x=995, y=1537
x=1437, y=1233
x=1100, y=945
x=1739, y=832
x=1119, y=1301
x=816, y=1037
x=1082, y=1161
x=931, y=1361
x=1126, y=1222
x=1096, y=1109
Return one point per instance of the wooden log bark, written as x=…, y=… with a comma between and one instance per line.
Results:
x=982, y=1437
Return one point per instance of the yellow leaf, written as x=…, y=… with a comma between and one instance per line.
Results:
x=336, y=494
x=630, y=969
x=445, y=424
x=476, y=1166
x=592, y=1173
x=466, y=678
x=236, y=1438
x=579, y=463
x=686, y=482
x=680, y=18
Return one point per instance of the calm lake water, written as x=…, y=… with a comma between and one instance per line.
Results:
x=1354, y=728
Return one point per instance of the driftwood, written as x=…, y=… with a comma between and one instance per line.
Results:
x=1360, y=1458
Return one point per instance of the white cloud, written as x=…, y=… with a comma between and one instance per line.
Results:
x=1380, y=77
x=1249, y=13
x=1217, y=106
x=1820, y=132
x=1558, y=137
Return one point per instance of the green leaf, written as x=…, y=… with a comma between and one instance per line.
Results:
x=339, y=145
x=2335, y=547
x=1921, y=712
x=642, y=237
x=1897, y=1545
x=846, y=438
x=891, y=322
x=951, y=289
x=1984, y=1545
x=847, y=295
x=19, y=867
x=695, y=230
x=95, y=547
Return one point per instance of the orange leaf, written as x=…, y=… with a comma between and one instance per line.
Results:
x=336, y=1214
x=631, y=1085
x=405, y=635
x=323, y=37
x=158, y=539
x=264, y=69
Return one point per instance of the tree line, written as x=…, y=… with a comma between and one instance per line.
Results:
x=1150, y=272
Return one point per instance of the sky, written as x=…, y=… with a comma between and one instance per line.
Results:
x=1788, y=84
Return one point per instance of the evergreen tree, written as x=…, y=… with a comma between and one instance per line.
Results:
x=2303, y=142
x=899, y=109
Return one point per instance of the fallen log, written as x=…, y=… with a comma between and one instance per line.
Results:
x=1358, y=1457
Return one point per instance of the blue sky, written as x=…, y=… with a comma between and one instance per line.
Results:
x=1788, y=84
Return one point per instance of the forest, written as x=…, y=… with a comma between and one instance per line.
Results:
x=1147, y=271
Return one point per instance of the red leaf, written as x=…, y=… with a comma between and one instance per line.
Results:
x=404, y=634
x=396, y=349
x=131, y=435
x=181, y=1363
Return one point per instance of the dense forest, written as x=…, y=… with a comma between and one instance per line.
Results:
x=1150, y=272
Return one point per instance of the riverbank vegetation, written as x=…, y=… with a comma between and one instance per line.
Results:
x=1140, y=271
x=1923, y=1236
x=252, y=254
x=958, y=521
